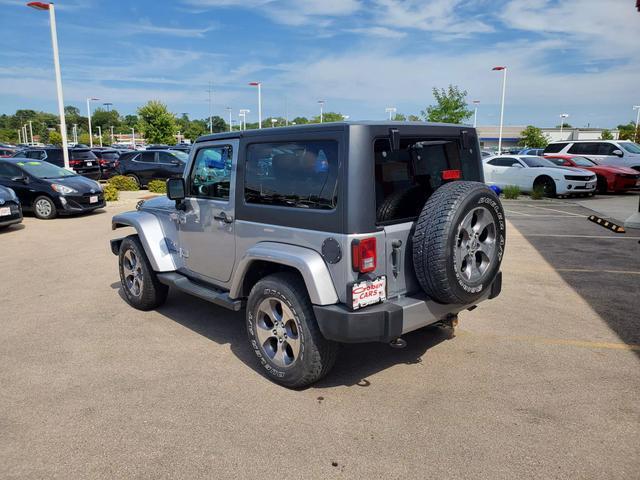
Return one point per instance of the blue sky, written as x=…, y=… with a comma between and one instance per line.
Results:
x=580, y=57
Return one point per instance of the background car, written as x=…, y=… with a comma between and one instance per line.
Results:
x=10, y=211
x=108, y=161
x=152, y=164
x=531, y=151
x=7, y=152
x=49, y=190
x=622, y=153
x=529, y=173
x=610, y=177
x=81, y=159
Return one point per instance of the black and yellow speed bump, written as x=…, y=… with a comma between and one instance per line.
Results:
x=607, y=224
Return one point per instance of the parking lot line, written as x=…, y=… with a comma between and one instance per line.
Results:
x=561, y=235
x=586, y=270
x=555, y=210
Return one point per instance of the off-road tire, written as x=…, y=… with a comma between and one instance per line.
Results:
x=153, y=293
x=53, y=211
x=316, y=354
x=436, y=241
x=402, y=204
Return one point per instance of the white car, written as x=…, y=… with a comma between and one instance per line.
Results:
x=528, y=172
x=621, y=153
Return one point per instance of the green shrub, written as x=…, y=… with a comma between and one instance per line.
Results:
x=511, y=192
x=157, y=186
x=537, y=193
x=123, y=183
x=110, y=193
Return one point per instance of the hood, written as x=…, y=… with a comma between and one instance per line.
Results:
x=77, y=182
x=5, y=195
x=615, y=169
x=573, y=170
x=159, y=202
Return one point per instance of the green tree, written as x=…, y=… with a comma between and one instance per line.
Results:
x=55, y=138
x=328, y=117
x=413, y=118
x=451, y=106
x=195, y=129
x=627, y=131
x=399, y=117
x=565, y=125
x=105, y=119
x=300, y=120
x=533, y=137
x=128, y=122
x=156, y=123
x=83, y=138
x=606, y=135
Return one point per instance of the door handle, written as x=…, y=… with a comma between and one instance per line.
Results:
x=223, y=217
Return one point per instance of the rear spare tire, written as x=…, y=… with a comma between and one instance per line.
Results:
x=459, y=242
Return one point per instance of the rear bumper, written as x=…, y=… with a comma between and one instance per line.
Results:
x=389, y=320
x=15, y=217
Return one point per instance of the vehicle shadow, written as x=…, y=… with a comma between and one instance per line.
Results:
x=355, y=364
x=12, y=228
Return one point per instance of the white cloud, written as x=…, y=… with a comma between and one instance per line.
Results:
x=382, y=32
x=148, y=28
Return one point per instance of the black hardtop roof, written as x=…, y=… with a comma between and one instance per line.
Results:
x=327, y=126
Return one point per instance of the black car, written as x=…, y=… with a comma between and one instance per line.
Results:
x=152, y=164
x=48, y=190
x=108, y=161
x=10, y=211
x=81, y=159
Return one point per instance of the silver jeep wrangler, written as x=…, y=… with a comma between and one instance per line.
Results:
x=325, y=234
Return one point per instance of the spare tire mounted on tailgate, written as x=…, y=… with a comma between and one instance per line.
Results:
x=459, y=242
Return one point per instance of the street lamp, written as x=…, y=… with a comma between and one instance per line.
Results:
x=31, y=131
x=24, y=133
x=19, y=136
x=100, y=134
x=475, y=112
x=228, y=109
x=321, y=102
x=243, y=114
x=562, y=117
x=108, y=105
x=259, y=85
x=635, y=132
x=56, y=65
x=133, y=137
x=89, y=99
x=504, y=87
x=391, y=111
x=273, y=122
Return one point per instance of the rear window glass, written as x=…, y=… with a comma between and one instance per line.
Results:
x=406, y=177
x=82, y=155
x=554, y=147
x=293, y=174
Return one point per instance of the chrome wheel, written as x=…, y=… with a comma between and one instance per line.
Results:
x=132, y=270
x=43, y=207
x=277, y=332
x=475, y=247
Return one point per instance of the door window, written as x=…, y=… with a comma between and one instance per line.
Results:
x=9, y=171
x=146, y=157
x=503, y=162
x=554, y=147
x=211, y=173
x=584, y=148
x=38, y=154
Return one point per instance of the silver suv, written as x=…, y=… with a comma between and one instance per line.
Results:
x=622, y=153
x=325, y=234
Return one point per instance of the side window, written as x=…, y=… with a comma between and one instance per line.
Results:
x=9, y=171
x=300, y=174
x=164, y=157
x=211, y=172
x=503, y=162
x=37, y=154
x=584, y=149
x=554, y=147
x=146, y=157
x=606, y=148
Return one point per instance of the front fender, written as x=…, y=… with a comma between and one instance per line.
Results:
x=308, y=262
x=160, y=249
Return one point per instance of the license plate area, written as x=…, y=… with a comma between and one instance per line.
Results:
x=368, y=292
x=93, y=199
x=5, y=211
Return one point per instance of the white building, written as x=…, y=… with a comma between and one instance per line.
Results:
x=488, y=135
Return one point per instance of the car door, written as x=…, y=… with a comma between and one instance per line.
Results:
x=503, y=172
x=9, y=175
x=168, y=165
x=144, y=166
x=206, y=227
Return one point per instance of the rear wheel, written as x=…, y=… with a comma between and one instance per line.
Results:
x=284, y=334
x=547, y=185
x=141, y=286
x=135, y=179
x=44, y=208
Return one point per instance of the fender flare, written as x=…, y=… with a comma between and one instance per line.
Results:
x=152, y=237
x=308, y=262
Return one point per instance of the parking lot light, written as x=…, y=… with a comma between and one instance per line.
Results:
x=635, y=132
x=56, y=65
x=504, y=87
x=259, y=85
x=391, y=111
x=562, y=117
x=89, y=99
x=475, y=112
x=321, y=102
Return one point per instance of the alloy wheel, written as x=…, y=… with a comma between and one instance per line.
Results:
x=475, y=248
x=277, y=332
x=133, y=276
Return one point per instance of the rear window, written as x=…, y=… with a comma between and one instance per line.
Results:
x=82, y=155
x=293, y=174
x=406, y=177
x=554, y=147
x=110, y=155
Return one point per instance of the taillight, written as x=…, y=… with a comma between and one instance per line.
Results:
x=102, y=162
x=116, y=164
x=363, y=255
x=451, y=175
x=75, y=163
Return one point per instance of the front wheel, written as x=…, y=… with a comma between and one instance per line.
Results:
x=547, y=185
x=284, y=334
x=141, y=286
x=44, y=208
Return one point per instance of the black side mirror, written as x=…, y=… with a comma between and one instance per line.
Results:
x=176, y=190
x=23, y=179
x=618, y=153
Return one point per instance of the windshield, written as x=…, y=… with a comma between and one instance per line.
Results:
x=630, y=147
x=183, y=157
x=583, y=162
x=44, y=169
x=537, y=162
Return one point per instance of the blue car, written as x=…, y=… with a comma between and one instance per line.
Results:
x=531, y=151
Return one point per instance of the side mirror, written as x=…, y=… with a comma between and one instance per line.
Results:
x=24, y=179
x=175, y=189
x=618, y=153
x=176, y=162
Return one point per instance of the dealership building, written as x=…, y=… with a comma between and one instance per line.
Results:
x=488, y=135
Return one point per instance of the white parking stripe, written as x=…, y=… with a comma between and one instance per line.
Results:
x=620, y=237
x=584, y=270
x=559, y=211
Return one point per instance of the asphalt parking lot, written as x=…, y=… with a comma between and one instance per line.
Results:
x=541, y=382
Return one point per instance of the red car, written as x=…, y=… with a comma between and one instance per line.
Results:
x=6, y=152
x=610, y=177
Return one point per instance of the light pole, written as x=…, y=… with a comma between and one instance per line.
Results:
x=108, y=105
x=273, y=122
x=19, y=136
x=228, y=109
x=259, y=85
x=111, y=128
x=133, y=137
x=504, y=87
x=56, y=65
x=562, y=117
x=75, y=133
x=24, y=133
x=391, y=111
x=89, y=99
x=635, y=132
x=475, y=112
x=321, y=102
x=243, y=114
x=31, y=131
x=100, y=134
x=210, y=110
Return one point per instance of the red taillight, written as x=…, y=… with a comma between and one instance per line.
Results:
x=116, y=164
x=451, y=174
x=75, y=163
x=102, y=162
x=363, y=255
